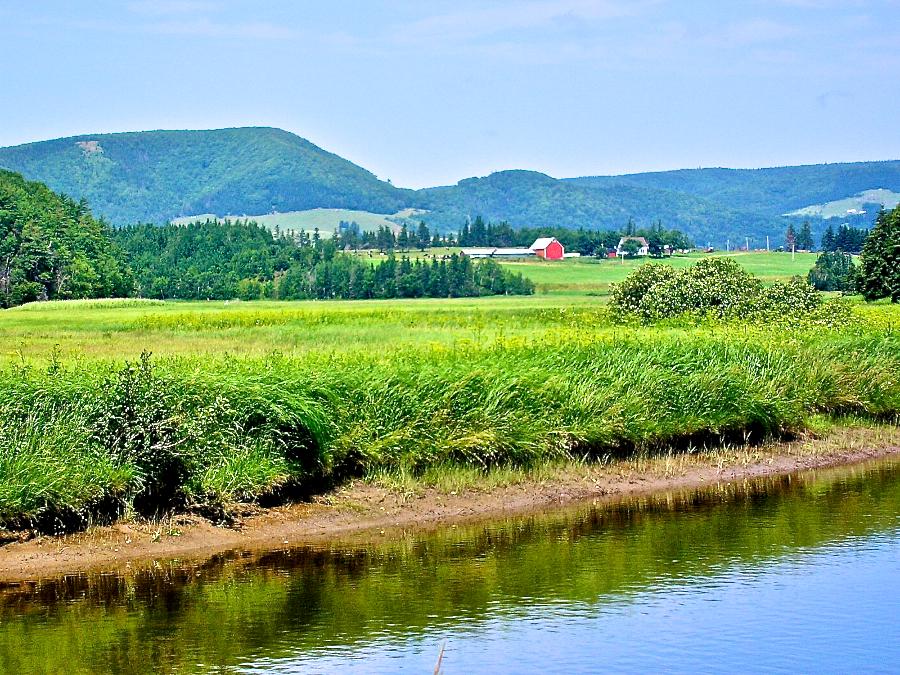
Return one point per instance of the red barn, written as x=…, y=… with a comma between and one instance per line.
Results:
x=548, y=248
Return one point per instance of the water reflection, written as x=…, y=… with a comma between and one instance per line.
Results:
x=683, y=572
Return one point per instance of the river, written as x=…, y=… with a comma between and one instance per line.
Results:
x=789, y=575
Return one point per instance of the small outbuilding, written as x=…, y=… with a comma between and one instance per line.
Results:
x=548, y=248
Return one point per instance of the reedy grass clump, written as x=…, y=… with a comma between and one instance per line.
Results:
x=157, y=432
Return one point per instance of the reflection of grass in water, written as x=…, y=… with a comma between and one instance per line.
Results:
x=304, y=602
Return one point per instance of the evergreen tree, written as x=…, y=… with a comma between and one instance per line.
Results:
x=828, y=243
x=403, y=239
x=805, y=238
x=423, y=236
x=879, y=272
x=833, y=271
x=790, y=238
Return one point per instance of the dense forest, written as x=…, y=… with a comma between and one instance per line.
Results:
x=771, y=192
x=225, y=260
x=51, y=248
x=160, y=175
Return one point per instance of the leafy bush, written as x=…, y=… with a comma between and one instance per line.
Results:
x=627, y=296
x=137, y=426
x=715, y=286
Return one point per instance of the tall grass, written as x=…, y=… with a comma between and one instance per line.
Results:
x=154, y=432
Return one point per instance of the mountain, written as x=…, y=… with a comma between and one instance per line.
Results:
x=770, y=192
x=154, y=176
x=530, y=199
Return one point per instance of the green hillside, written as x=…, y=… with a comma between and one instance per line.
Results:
x=261, y=172
x=158, y=175
x=766, y=191
x=531, y=199
x=851, y=206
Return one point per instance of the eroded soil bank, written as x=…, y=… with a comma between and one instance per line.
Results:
x=361, y=512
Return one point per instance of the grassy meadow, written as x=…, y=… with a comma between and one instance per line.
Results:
x=111, y=406
x=581, y=276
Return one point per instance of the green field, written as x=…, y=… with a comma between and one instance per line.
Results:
x=113, y=405
x=593, y=276
x=842, y=207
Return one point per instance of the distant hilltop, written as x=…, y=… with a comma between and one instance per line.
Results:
x=158, y=176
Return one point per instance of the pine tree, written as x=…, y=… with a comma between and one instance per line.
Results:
x=828, y=240
x=790, y=238
x=879, y=272
x=424, y=236
x=805, y=238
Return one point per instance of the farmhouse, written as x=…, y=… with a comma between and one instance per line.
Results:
x=643, y=246
x=548, y=248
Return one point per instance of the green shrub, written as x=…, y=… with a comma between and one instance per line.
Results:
x=626, y=297
x=796, y=297
x=135, y=422
x=716, y=286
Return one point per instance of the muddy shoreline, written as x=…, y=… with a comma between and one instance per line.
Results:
x=363, y=513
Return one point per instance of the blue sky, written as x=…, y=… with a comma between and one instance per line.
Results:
x=427, y=93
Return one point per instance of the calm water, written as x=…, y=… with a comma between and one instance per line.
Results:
x=788, y=576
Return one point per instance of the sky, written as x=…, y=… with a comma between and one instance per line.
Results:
x=430, y=92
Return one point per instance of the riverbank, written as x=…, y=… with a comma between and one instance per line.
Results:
x=366, y=512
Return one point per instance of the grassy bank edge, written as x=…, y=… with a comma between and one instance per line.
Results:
x=369, y=510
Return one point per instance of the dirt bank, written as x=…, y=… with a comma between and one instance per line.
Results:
x=363, y=512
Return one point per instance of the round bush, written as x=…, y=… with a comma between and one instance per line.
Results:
x=626, y=296
x=716, y=285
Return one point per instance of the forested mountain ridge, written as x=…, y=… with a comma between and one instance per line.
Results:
x=153, y=176
x=161, y=175
x=531, y=199
x=772, y=192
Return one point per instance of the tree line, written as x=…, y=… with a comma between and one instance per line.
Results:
x=51, y=248
x=479, y=233
x=241, y=259
x=846, y=238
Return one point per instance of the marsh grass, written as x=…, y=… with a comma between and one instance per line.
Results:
x=452, y=395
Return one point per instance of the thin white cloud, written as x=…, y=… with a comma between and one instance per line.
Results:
x=170, y=7
x=480, y=23
x=207, y=28
x=757, y=31
x=825, y=100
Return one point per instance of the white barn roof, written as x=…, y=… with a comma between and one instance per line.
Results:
x=542, y=243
